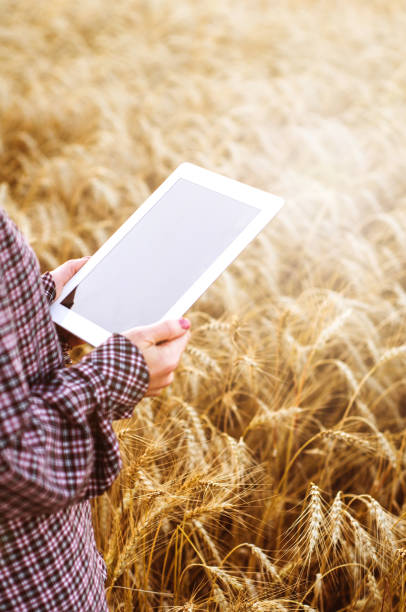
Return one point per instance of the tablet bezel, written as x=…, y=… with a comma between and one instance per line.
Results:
x=266, y=203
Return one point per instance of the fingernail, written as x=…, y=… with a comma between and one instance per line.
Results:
x=184, y=323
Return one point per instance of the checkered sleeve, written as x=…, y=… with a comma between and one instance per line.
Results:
x=48, y=284
x=57, y=445
x=49, y=288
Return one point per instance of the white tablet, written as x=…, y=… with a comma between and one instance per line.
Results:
x=165, y=255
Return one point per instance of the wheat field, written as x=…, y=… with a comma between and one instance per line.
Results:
x=272, y=474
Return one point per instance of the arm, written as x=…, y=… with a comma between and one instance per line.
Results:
x=57, y=446
x=53, y=283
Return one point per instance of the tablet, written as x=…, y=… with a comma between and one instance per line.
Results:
x=161, y=260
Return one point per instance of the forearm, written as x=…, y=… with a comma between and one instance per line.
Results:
x=60, y=447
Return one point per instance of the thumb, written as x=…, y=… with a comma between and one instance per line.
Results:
x=76, y=264
x=63, y=273
x=167, y=330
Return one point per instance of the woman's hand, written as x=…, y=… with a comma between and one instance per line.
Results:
x=162, y=345
x=63, y=273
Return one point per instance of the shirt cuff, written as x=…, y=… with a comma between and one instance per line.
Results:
x=124, y=372
x=49, y=287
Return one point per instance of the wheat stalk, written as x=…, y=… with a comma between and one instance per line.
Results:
x=336, y=519
x=364, y=548
x=289, y=354
x=316, y=518
x=348, y=439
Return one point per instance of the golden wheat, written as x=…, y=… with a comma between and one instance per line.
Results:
x=271, y=475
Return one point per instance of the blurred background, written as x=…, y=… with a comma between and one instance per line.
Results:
x=99, y=102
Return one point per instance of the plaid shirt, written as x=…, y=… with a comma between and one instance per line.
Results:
x=57, y=445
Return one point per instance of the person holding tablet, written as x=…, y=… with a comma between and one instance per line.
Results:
x=57, y=445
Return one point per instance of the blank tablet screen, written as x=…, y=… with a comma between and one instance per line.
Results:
x=159, y=259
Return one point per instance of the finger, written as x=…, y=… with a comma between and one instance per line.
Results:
x=65, y=271
x=153, y=393
x=170, y=352
x=76, y=264
x=162, y=381
x=156, y=390
x=166, y=330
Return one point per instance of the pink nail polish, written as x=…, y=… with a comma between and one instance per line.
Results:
x=184, y=323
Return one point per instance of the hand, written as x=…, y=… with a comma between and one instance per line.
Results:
x=63, y=273
x=162, y=345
